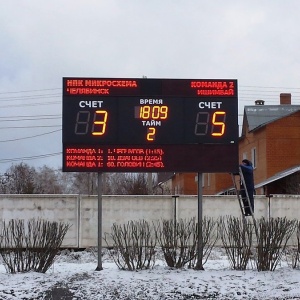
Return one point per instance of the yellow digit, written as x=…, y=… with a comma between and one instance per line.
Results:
x=151, y=134
x=220, y=125
x=99, y=127
x=163, y=112
x=155, y=112
x=146, y=112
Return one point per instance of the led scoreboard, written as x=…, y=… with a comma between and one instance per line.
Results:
x=150, y=125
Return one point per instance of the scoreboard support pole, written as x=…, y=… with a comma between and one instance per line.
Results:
x=199, y=265
x=100, y=192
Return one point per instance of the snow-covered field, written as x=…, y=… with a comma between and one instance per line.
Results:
x=73, y=276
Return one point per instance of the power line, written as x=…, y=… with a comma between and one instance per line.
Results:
x=8, y=160
x=270, y=87
x=29, y=137
x=241, y=86
x=36, y=116
x=31, y=104
x=30, y=97
x=30, y=119
x=30, y=91
x=246, y=94
x=25, y=127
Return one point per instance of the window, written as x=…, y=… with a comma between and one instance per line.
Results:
x=253, y=157
x=202, y=178
x=208, y=179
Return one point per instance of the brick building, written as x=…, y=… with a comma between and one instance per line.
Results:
x=270, y=138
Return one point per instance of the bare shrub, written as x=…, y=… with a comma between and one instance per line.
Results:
x=293, y=252
x=236, y=235
x=31, y=246
x=133, y=245
x=272, y=239
x=179, y=240
x=296, y=257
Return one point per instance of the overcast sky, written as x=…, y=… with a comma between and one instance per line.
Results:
x=256, y=42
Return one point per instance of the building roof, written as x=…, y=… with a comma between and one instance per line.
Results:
x=257, y=116
x=162, y=177
x=278, y=176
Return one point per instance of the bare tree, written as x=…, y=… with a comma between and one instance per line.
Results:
x=118, y=183
x=4, y=180
x=129, y=184
x=21, y=179
x=113, y=183
x=137, y=184
x=85, y=183
x=47, y=181
x=66, y=180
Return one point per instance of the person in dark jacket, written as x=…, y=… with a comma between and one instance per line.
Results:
x=247, y=170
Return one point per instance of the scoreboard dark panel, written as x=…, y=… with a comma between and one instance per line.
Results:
x=183, y=125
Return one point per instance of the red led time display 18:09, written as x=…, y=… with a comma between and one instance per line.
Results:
x=148, y=112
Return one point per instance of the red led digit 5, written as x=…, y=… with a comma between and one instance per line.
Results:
x=218, y=123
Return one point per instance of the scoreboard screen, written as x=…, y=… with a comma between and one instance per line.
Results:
x=150, y=125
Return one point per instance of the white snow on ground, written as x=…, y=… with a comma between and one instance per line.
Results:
x=73, y=276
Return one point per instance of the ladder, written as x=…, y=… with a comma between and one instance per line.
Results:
x=244, y=202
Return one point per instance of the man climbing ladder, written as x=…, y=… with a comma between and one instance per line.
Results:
x=245, y=192
x=247, y=186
